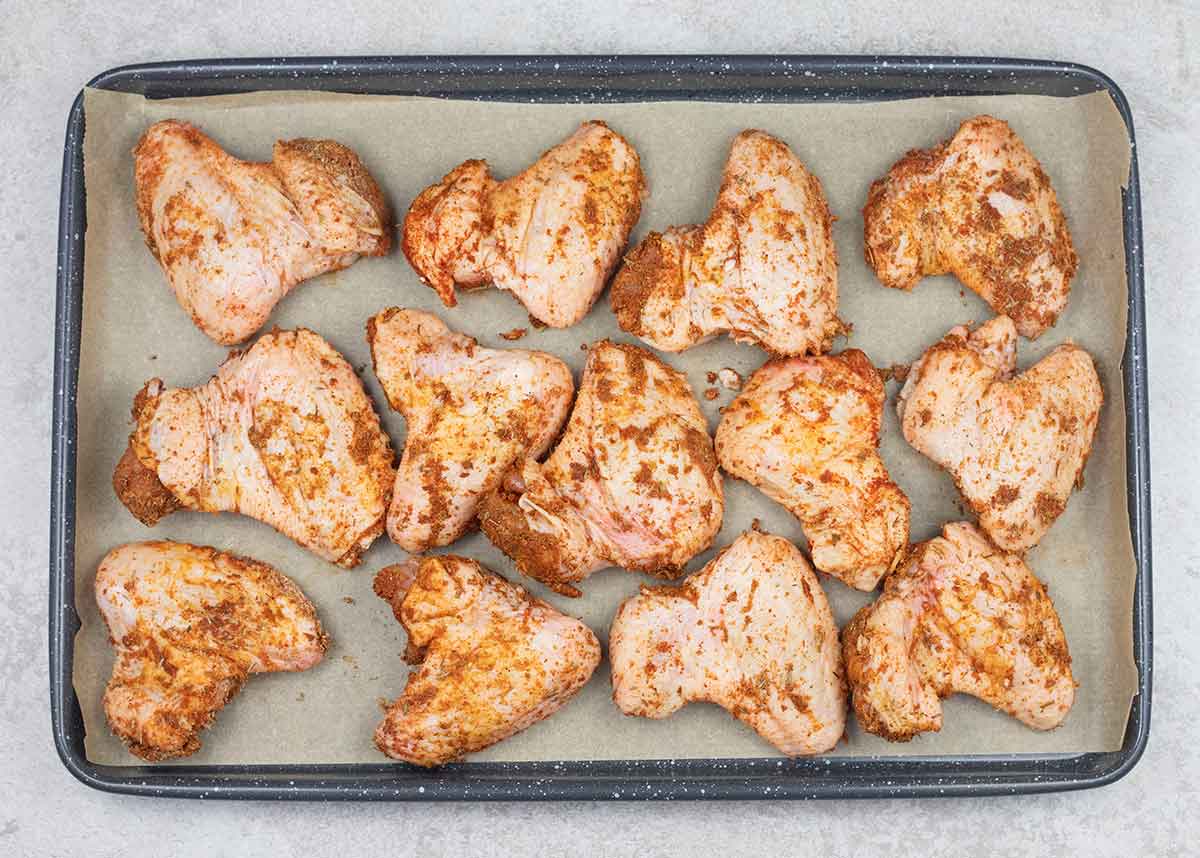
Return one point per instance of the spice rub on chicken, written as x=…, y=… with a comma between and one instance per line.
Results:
x=550, y=235
x=763, y=268
x=1015, y=443
x=805, y=430
x=472, y=413
x=980, y=207
x=491, y=660
x=283, y=433
x=958, y=616
x=751, y=632
x=633, y=481
x=233, y=237
x=190, y=625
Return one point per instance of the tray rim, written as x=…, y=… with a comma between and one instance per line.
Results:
x=820, y=777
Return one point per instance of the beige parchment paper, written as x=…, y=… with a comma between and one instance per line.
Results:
x=133, y=330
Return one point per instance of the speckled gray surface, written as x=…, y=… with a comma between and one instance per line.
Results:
x=1147, y=47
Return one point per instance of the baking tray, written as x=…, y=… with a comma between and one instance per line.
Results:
x=593, y=79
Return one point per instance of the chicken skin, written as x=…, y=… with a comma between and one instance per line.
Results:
x=283, y=433
x=805, y=431
x=493, y=659
x=633, y=482
x=980, y=207
x=471, y=412
x=1016, y=446
x=959, y=615
x=762, y=269
x=234, y=237
x=551, y=235
x=190, y=624
x=751, y=632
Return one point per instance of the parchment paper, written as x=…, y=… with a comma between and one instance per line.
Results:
x=134, y=330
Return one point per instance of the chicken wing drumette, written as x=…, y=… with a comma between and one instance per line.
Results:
x=551, y=235
x=234, y=237
x=805, y=431
x=471, y=412
x=283, y=433
x=751, y=632
x=1016, y=445
x=763, y=268
x=493, y=659
x=190, y=624
x=632, y=483
x=959, y=615
x=980, y=207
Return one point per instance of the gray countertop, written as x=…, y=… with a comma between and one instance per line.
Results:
x=1148, y=47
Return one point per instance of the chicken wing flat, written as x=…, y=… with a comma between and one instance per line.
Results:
x=471, y=412
x=959, y=615
x=234, y=237
x=751, y=632
x=763, y=268
x=190, y=624
x=632, y=483
x=551, y=235
x=805, y=431
x=283, y=433
x=1016, y=446
x=980, y=207
x=493, y=659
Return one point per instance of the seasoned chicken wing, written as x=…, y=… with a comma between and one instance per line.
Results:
x=283, y=433
x=1016, y=446
x=762, y=269
x=980, y=207
x=234, y=237
x=751, y=632
x=550, y=235
x=959, y=615
x=632, y=483
x=805, y=431
x=190, y=624
x=471, y=412
x=493, y=659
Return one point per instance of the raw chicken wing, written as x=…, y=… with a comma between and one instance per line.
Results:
x=959, y=615
x=283, y=433
x=1016, y=446
x=493, y=659
x=632, y=483
x=979, y=207
x=190, y=624
x=234, y=237
x=763, y=268
x=805, y=431
x=550, y=235
x=751, y=632
x=471, y=412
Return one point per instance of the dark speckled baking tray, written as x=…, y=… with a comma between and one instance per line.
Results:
x=591, y=79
